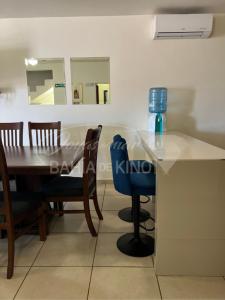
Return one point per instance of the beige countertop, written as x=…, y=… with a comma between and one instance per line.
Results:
x=178, y=146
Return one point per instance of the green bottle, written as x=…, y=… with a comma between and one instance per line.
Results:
x=159, y=123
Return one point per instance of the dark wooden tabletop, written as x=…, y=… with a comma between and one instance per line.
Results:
x=42, y=160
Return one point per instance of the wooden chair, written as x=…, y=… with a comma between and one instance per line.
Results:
x=11, y=134
x=15, y=209
x=74, y=189
x=46, y=134
x=43, y=135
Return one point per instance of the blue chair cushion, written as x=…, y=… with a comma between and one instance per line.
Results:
x=23, y=202
x=64, y=186
x=141, y=166
x=142, y=183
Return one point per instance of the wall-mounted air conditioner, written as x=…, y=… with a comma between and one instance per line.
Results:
x=182, y=26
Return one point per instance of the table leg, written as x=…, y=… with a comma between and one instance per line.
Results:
x=34, y=183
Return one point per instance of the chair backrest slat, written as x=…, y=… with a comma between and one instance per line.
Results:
x=36, y=137
x=12, y=139
x=90, y=159
x=49, y=137
x=53, y=137
x=6, y=208
x=4, y=132
x=11, y=134
x=45, y=137
x=45, y=134
x=8, y=137
x=15, y=134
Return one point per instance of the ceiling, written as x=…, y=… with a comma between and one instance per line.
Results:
x=66, y=8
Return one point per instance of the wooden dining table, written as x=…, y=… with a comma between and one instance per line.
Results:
x=30, y=164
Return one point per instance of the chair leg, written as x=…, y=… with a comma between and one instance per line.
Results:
x=2, y=234
x=11, y=253
x=97, y=209
x=60, y=207
x=55, y=206
x=48, y=216
x=42, y=225
x=88, y=217
x=136, y=216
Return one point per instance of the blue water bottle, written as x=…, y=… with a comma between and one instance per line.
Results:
x=158, y=107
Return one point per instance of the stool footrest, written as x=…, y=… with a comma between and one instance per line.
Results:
x=137, y=247
x=126, y=215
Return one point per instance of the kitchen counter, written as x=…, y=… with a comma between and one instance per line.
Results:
x=190, y=204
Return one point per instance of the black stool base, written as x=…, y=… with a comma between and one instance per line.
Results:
x=126, y=215
x=137, y=247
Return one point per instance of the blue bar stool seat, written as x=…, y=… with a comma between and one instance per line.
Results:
x=134, y=184
x=126, y=214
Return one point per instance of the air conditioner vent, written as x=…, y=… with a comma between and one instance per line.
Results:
x=190, y=34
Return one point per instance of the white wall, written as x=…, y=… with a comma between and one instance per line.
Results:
x=192, y=70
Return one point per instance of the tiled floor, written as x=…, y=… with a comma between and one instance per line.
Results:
x=73, y=265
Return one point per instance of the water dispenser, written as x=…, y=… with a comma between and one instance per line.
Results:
x=157, y=109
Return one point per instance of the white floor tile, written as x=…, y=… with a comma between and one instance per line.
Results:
x=123, y=283
x=26, y=249
x=55, y=283
x=67, y=249
x=8, y=288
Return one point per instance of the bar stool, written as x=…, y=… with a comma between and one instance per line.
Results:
x=134, y=184
x=126, y=214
